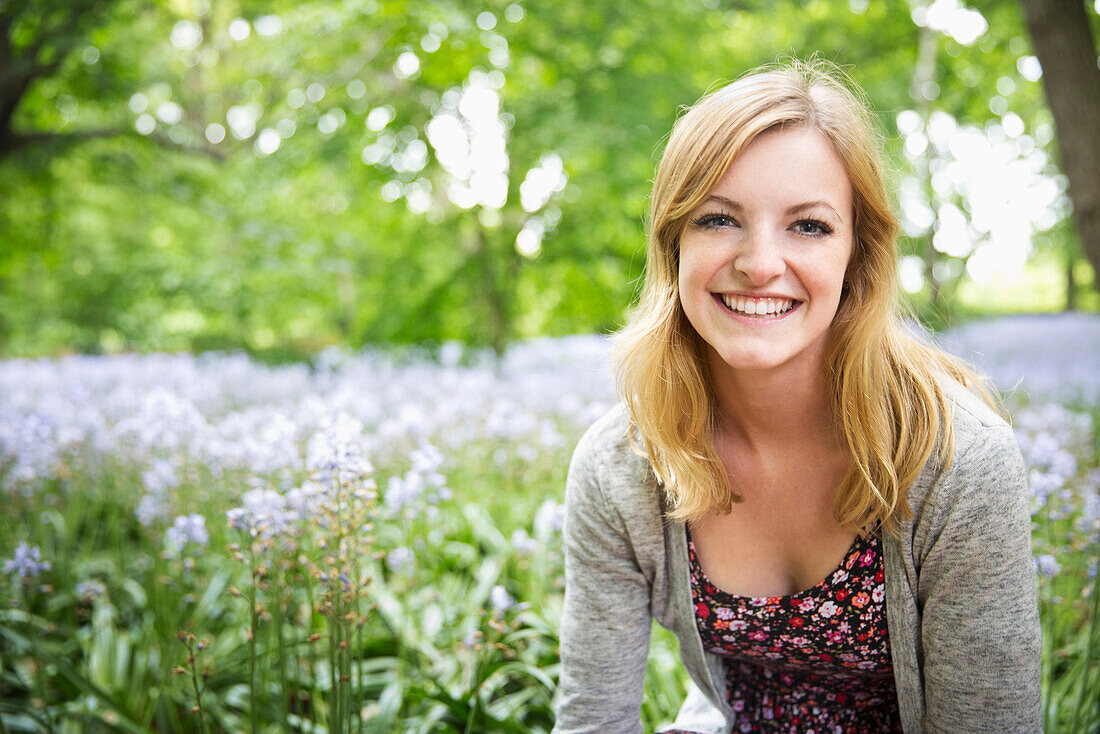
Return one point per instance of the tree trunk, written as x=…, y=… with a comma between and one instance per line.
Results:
x=495, y=290
x=1071, y=281
x=1062, y=38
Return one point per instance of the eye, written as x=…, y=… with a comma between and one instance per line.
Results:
x=714, y=220
x=812, y=227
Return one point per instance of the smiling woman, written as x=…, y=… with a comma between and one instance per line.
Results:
x=799, y=490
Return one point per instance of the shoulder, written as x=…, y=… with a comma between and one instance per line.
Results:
x=971, y=414
x=985, y=470
x=605, y=448
x=607, y=434
x=606, y=468
x=979, y=430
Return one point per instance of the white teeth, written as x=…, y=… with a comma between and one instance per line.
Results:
x=763, y=307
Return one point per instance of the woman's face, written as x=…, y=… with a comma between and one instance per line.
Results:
x=763, y=258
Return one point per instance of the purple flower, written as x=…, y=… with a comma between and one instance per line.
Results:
x=1044, y=484
x=524, y=544
x=549, y=518
x=422, y=483
x=264, y=514
x=400, y=560
x=500, y=600
x=187, y=529
x=1047, y=565
x=336, y=453
x=27, y=562
x=90, y=590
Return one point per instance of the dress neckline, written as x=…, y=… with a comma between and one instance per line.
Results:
x=860, y=543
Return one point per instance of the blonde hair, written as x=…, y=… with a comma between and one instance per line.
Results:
x=884, y=383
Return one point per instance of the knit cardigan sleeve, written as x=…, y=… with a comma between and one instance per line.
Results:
x=606, y=619
x=980, y=630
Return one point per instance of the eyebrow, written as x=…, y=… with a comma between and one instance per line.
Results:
x=810, y=205
x=790, y=210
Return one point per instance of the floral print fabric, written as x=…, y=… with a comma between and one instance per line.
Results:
x=816, y=661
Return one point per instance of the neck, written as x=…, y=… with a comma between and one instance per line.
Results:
x=763, y=409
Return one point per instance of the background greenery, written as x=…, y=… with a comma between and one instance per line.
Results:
x=111, y=239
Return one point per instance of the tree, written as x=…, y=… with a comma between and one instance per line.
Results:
x=1064, y=44
x=37, y=40
x=320, y=210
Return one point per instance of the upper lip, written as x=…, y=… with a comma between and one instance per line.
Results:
x=756, y=296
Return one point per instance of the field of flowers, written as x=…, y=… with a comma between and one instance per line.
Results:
x=371, y=543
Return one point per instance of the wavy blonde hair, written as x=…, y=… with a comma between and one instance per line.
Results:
x=885, y=386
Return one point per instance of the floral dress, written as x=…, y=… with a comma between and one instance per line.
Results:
x=817, y=661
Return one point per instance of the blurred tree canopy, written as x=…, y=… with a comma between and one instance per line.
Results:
x=280, y=176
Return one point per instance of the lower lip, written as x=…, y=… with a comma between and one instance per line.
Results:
x=755, y=320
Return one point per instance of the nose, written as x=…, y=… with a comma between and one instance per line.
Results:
x=759, y=258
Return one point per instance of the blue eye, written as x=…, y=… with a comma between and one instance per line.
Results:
x=714, y=221
x=814, y=227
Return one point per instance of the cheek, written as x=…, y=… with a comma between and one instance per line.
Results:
x=693, y=268
x=691, y=286
x=826, y=275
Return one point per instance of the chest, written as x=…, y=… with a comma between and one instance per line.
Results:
x=746, y=554
x=782, y=537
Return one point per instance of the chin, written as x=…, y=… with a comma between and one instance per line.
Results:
x=748, y=362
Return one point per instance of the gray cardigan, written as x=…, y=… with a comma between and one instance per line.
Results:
x=961, y=602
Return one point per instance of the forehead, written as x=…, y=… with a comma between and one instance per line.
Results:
x=788, y=166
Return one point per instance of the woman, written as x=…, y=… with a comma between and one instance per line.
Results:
x=819, y=507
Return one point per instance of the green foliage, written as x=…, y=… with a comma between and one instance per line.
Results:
x=165, y=239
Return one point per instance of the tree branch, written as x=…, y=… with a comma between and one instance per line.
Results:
x=18, y=71
x=14, y=142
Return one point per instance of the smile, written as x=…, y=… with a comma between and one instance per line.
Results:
x=760, y=308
